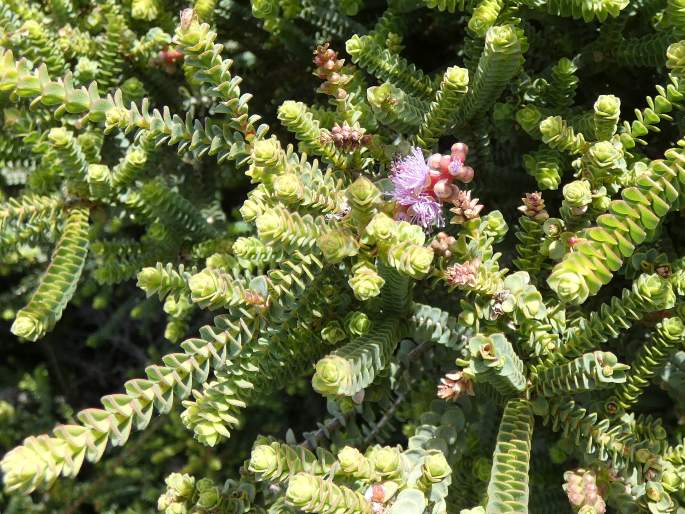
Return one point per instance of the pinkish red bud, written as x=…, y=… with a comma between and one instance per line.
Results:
x=445, y=164
x=459, y=151
x=187, y=16
x=443, y=189
x=465, y=174
x=434, y=161
x=455, y=167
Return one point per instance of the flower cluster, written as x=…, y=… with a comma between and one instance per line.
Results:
x=583, y=493
x=534, y=207
x=421, y=187
x=455, y=385
x=346, y=137
x=329, y=68
x=463, y=275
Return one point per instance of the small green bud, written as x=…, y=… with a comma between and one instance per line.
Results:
x=608, y=106
x=173, y=307
x=337, y=244
x=570, y=287
x=435, y=467
x=302, y=489
x=333, y=333
x=144, y=10
x=386, y=461
x=291, y=110
x=86, y=70
x=678, y=282
x=269, y=224
x=529, y=118
x=204, y=484
x=203, y=286
x=26, y=326
x=673, y=328
x=495, y=226
x=209, y=499
x=675, y=58
x=133, y=89
x=577, y=193
x=365, y=282
x=601, y=202
x=115, y=117
x=149, y=280
x=531, y=304
x=502, y=38
x=380, y=96
x=670, y=479
x=266, y=152
x=382, y=229
x=363, y=194
x=59, y=136
x=288, y=187
x=545, y=166
x=175, y=329
x=412, y=260
x=263, y=460
x=331, y=372
x=410, y=233
x=358, y=323
x=457, y=78
x=99, y=180
x=655, y=290
x=219, y=261
x=553, y=227
x=182, y=485
x=351, y=460
x=354, y=46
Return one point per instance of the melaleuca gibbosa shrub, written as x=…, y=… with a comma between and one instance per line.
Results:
x=459, y=221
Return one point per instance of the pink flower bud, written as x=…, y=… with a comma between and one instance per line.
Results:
x=187, y=16
x=445, y=164
x=455, y=167
x=465, y=174
x=443, y=189
x=433, y=176
x=434, y=161
x=460, y=151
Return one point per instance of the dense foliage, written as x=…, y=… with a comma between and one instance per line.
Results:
x=435, y=264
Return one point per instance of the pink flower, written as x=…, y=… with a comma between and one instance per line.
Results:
x=409, y=175
x=425, y=211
